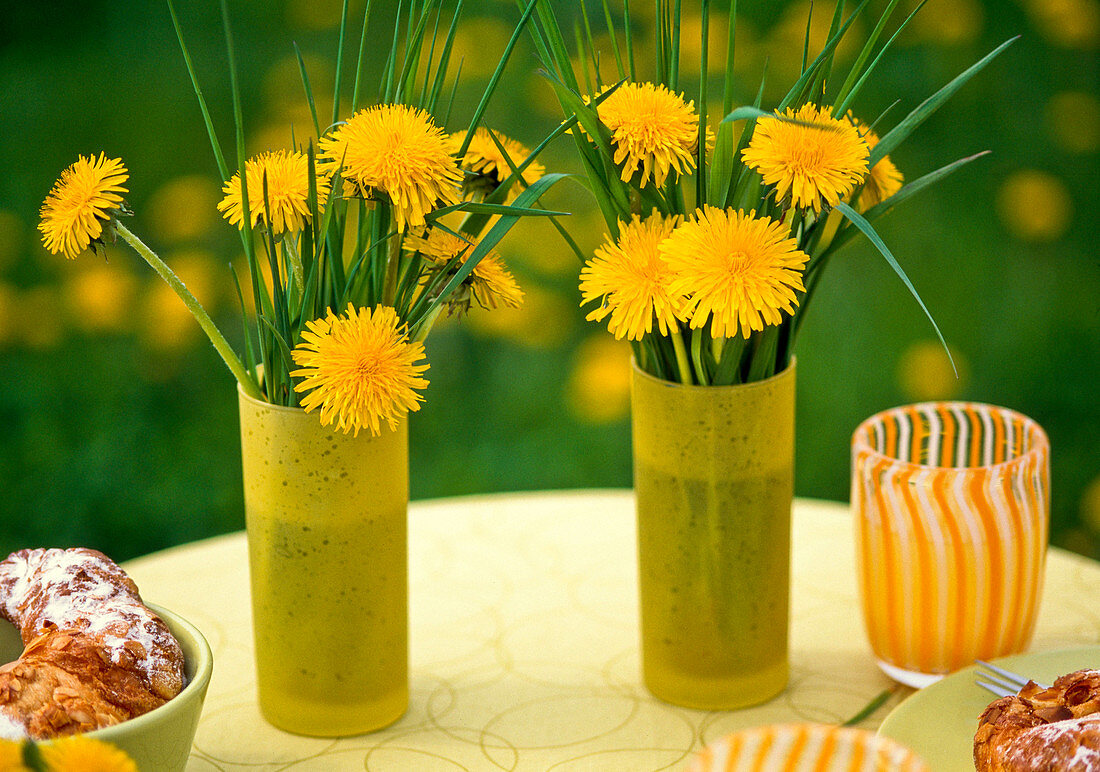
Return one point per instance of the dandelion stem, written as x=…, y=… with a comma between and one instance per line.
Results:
x=212, y=332
x=682, y=363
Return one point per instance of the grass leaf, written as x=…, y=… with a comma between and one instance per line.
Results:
x=858, y=220
x=897, y=135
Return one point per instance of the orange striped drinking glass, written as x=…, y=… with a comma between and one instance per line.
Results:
x=951, y=503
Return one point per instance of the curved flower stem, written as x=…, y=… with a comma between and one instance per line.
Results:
x=212, y=332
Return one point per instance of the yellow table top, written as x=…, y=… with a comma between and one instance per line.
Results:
x=524, y=642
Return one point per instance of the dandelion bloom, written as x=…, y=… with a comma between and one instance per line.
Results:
x=287, y=175
x=653, y=127
x=359, y=368
x=400, y=151
x=484, y=159
x=884, y=179
x=812, y=165
x=80, y=202
x=490, y=282
x=84, y=753
x=738, y=270
x=11, y=756
x=632, y=282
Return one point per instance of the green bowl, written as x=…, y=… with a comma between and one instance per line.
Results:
x=160, y=740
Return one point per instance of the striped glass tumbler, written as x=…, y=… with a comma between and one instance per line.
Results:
x=951, y=504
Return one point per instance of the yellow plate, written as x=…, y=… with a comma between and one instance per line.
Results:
x=939, y=721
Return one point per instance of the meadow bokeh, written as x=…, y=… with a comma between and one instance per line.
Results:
x=118, y=424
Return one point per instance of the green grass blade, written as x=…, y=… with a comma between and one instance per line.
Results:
x=731, y=40
x=495, y=79
x=747, y=111
x=868, y=230
x=865, y=52
x=907, y=191
x=824, y=73
x=806, y=39
x=444, y=61
x=629, y=39
x=798, y=90
x=451, y=100
x=219, y=157
x=674, y=51
x=582, y=57
x=359, y=62
x=412, y=54
x=614, y=39
x=701, y=150
x=897, y=135
x=308, y=89
x=431, y=57
x=843, y=104
x=391, y=60
x=339, y=65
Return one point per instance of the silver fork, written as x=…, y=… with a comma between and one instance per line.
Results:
x=1000, y=681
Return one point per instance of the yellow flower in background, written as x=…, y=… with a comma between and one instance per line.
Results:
x=812, y=165
x=360, y=369
x=286, y=207
x=1073, y=121
x=652, y=127
x=84, y=754
x=599, y=384
x=884, y=179
x=631, y=281
x=400, y=151
x=925, y=373
x=101, y=297
x=85, y=197
x=490, y=282
x=1035, y=206
x=484, y=159
x=738, y=270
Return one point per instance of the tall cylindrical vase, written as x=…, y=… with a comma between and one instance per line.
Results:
x=714, y=482
x=326, y=519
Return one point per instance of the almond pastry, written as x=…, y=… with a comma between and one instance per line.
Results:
x=1054, y=729
x=94, y=656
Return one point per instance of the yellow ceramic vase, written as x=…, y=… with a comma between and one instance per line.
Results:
x=327, y=544
x=714, y=481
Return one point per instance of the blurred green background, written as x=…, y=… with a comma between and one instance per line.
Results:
x=118, y=425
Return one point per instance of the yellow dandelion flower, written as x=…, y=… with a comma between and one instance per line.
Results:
x=400, y=151
x=632, y=282
x=652, y=127
x=84, y=754
x=491, y=283
x=489, y=166
x=812, y=165
x=287, y=175
x=11, y=756
x=739, y=271
x=884, y=179
x=360, y=369
x=80, y=202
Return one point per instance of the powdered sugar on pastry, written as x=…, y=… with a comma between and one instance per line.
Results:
x=79, y=589
x=94, y=654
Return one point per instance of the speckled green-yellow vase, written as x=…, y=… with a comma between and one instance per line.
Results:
x=714, y=482
x=327, y=530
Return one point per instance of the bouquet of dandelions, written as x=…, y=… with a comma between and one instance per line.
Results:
x=716, y=241
x=354, y=245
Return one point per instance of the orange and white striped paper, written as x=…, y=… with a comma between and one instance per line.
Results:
x=817, y=747
x=951, y=502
